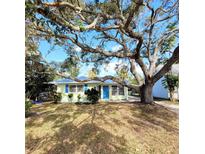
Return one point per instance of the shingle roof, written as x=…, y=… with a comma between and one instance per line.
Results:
x=61, y=81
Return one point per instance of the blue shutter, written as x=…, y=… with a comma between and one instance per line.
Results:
x=66, y=88
x=85, y=87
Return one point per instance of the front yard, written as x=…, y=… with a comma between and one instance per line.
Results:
x=104, y=128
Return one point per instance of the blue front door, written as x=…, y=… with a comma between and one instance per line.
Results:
x=105, y=92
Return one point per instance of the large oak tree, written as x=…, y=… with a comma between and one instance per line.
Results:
x=145, y=31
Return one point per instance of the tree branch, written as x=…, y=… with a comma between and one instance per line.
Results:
x=63, y=22
x=132, y=12
x=167, y=66
x=102, y=79
x=133, y=70
x=85, y=48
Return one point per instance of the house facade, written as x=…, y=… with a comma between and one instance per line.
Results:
x=109, y=90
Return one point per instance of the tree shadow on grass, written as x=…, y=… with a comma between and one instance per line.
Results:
x=154, y=116
x=85, y=136
x=86, y=139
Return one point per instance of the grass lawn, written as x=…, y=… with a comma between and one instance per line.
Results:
x=104, y=128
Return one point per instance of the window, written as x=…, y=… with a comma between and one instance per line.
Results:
x=114, y=90
x=79, y=88
x=73, y=88
x=121, y=90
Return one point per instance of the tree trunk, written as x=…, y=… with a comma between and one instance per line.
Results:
x=172, y=97
x=146, y=93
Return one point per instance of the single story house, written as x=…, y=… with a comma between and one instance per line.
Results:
x=159, y=91
x=109, y=90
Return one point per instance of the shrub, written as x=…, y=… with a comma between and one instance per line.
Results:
x=171, y=82
x=92, y=95
x=57, y=97
x=70, y=96
x=79, y=97
x=28, y=105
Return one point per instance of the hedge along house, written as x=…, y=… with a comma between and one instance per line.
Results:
x=109, y=90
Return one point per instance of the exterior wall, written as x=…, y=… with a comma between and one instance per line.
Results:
x=159, y=90
x=116, y=97
x=61, y=89
x=65, y=98
x=119, y=97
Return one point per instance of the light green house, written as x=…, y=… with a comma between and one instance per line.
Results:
x=109, y=90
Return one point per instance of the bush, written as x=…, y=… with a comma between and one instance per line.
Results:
x=92, y=95
x=45, y=96
x=70, y=96
x=28, y=105
x=79, y=97
x=57, y=97
x=171, y=82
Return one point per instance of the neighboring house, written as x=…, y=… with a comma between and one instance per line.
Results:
x=159, y=91
x=109, y=90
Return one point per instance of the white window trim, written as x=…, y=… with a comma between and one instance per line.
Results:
x=71, y=88
x=76, y=89
x=118, y=91
x=112, y=90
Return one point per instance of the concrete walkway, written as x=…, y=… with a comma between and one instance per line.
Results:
x=133, y=99
x=171, y=107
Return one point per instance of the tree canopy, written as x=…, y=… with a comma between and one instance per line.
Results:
x=145, y=32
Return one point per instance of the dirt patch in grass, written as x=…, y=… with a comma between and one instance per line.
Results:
x=103, y=128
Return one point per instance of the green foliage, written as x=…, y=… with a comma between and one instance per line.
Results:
x=80, y=24
x=28, y=106
x=132, y=80
x=57, y=97
x=171, y=82
x=38, y=74
x=92, y=95
x=170, y=42
x=79, y=97
x=71, y=66
x=92, y=73
x=110, y=8
x=70, y=96
x=122, y=71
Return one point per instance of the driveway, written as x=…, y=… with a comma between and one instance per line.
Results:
x=133, y=99
x=171, y=107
